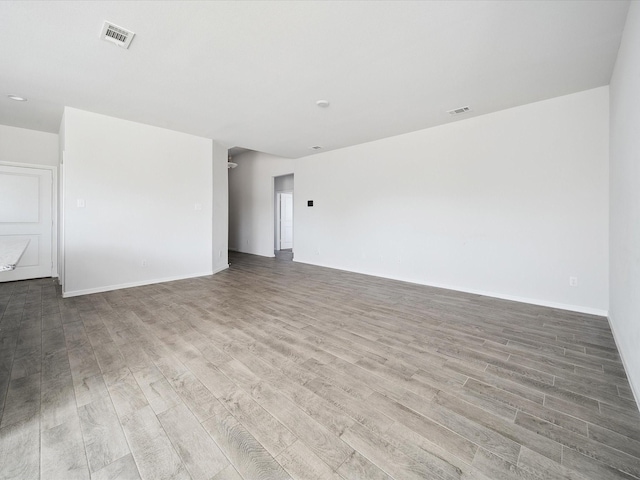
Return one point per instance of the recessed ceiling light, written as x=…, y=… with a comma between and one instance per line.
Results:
x=17, y=98
x=316, y=147
x=323, y=103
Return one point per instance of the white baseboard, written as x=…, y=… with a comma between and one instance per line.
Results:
x=108, y=288
x=634, y=388
x=514, y=298
x=219, y=269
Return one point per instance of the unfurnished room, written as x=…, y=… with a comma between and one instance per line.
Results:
x=320, y=240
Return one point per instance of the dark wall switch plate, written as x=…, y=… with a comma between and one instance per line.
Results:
x=309, y=203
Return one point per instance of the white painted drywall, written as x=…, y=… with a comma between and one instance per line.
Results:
x=251, y=206
x=220, y=252
x=140, y=186
x=624, y=313
x=284, y=183
x=60, y=198
x=509, y=204
x=20, y=145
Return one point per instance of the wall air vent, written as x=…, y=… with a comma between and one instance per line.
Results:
x=459, y=110
x=118, y=35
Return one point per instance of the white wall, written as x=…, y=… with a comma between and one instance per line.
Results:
x=284, y=183
x=60, y=198
x=140, y=185
x=20, y=145
x=251, y=206
x=220, y=253
x=624, y=313
x=509, y=204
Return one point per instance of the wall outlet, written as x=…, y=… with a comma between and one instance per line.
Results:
x=573, y=281
x=143, y=263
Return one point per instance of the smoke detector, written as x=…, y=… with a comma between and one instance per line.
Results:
x=459, y=110
x=115, y=34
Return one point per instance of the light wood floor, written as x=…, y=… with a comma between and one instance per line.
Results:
x=274, y=369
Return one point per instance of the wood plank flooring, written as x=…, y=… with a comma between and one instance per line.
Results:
x=277, y=370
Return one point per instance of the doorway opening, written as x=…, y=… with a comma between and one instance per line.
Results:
x=283, y=218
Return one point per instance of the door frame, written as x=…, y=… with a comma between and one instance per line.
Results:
x=54, y=207
x=278, y=219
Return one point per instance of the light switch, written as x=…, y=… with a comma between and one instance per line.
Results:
x=197, y=206
x=80, y=203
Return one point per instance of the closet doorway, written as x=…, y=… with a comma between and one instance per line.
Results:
x=283, y=221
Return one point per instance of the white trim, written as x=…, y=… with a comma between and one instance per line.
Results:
x=514, y=298
x=29, y=165
x=627, y=371
x=61, y=250
x=220, y=269
x=109, y=288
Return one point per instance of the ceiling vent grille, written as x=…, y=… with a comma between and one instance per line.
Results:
x=459, y=110
x=118, y=35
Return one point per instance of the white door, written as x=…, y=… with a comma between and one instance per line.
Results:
x=286, y=220
x=26, y=212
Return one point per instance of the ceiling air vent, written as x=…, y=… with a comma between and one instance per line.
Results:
x=459, y=110
x=118, y=35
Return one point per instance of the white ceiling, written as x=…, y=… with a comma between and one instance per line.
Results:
x=249, y=74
